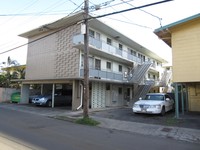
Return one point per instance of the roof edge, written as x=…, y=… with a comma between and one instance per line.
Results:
x=177, y=23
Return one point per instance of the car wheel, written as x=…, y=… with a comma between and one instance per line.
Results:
x=49, y=103
x=163, y=111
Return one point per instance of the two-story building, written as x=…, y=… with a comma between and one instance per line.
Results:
x=184, y=38
x=120, y=70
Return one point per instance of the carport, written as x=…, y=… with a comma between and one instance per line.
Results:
x=53, y=86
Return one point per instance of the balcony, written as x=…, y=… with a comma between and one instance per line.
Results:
x=155, y=68
x=102, y=48
x=99, y=74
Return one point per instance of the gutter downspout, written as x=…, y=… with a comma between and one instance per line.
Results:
x=81, y=98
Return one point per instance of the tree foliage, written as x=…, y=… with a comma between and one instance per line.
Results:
x=13, y=71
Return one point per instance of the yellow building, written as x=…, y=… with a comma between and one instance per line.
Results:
x=184, y=38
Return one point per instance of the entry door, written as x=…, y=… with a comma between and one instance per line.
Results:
x=108, y=95
x=117, y=97
x=97, y=64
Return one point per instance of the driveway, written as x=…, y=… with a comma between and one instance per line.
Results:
x=189, y=120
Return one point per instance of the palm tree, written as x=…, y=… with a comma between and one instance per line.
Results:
x=11, y=62
x=12, y=71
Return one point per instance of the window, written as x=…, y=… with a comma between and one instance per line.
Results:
x=119, y=90
x=82, y=60
x=91, y=33
x=107, y=86
x=167, y=96
x=132, y=52
x=120, y=46
x=109, y=41
x=97, y=64
x=120, y=68
x=98, y=36
x=142, y=57
x=91, y=60
x=108, y=65
x=128, y=92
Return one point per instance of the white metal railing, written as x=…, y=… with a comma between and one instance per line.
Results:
x=104, y=47
x=101, y=74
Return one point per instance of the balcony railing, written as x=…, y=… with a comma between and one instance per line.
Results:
x=104, y=47
x=99, y=74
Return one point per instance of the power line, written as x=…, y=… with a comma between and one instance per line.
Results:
x=100, y=16
x=76, y=8
x=126, y=21
x=130, y=23
x=27, y=6
x=117, y=12
x=50, y=7
x=144, y=11
x=112, y=5
x=35, y=14
x=73, y=3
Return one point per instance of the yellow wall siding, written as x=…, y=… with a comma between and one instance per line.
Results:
x=194, y=97
x=186, y=52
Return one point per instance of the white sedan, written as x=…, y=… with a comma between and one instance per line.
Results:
x=154, y=103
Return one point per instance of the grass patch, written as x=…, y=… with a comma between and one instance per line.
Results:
x=173, y=122
x=87, y=121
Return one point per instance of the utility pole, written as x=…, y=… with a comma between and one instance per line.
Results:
x=86, y=64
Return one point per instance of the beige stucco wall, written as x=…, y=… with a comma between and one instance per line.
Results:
x=186, y=52
x=53, y=57
x=194, y=97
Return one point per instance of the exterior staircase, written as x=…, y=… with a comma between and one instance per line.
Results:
x=144, y=89
x=137, y=74
x=165, y=78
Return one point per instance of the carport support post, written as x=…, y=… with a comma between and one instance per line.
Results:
x=53, y=93
x=186, y=98
x=176, y=101
x=182, y=99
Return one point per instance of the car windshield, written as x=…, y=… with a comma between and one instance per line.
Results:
x=154, y=97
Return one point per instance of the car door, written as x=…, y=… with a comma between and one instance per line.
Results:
x=168, y=103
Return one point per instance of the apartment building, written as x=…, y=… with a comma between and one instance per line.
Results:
x=120, y=70
x=184, y=36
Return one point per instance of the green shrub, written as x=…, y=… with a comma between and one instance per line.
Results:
x=87, y=121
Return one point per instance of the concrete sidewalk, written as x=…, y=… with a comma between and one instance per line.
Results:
x=177, y=133
x=6, y=144
x=183, y=134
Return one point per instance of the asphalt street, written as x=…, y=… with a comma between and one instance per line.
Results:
x=40, y=132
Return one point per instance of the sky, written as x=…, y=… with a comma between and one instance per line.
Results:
x=19, y=16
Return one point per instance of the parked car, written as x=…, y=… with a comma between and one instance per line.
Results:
x=154, y=103
x=31, y=97
x=46, y=100
x=15, y=97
